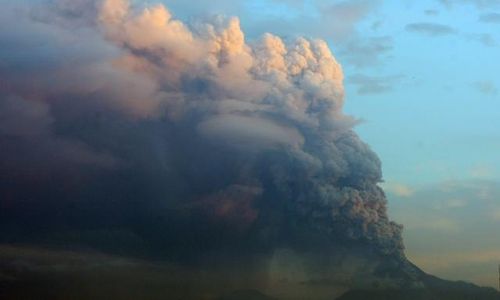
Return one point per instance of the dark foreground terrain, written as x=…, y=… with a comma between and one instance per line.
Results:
x=436, y=289
x=33, y=273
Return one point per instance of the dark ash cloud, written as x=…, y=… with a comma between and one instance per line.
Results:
x=129, y=131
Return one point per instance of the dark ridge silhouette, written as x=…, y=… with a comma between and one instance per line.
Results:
x=246, y=295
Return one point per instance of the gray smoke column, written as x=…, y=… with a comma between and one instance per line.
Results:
x=187, y=135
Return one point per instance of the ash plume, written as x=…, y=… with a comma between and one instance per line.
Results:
x=194, y=139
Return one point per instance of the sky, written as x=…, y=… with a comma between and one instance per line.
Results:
x=422, y=79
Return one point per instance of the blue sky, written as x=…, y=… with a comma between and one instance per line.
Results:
x=423, y=78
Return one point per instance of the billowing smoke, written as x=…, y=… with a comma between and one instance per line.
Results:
x=189, y=137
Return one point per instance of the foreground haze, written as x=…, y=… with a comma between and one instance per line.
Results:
x=181, y=158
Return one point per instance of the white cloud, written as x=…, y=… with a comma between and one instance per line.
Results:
x=398, y=189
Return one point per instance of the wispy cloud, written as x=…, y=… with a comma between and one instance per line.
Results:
x=431, y=29
x=484, y=38
x=481, y=4
x=490, y=18
x=477, y=265
x=433, y=223
x=431, y=12
x=448, y=260
x=340, y=19
x=373, y=84
x=398, y=189
x=452, y=226
x=376, y=25
x=367, y=52
x=495, y=214
x=486, y=87
x=482, y=172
